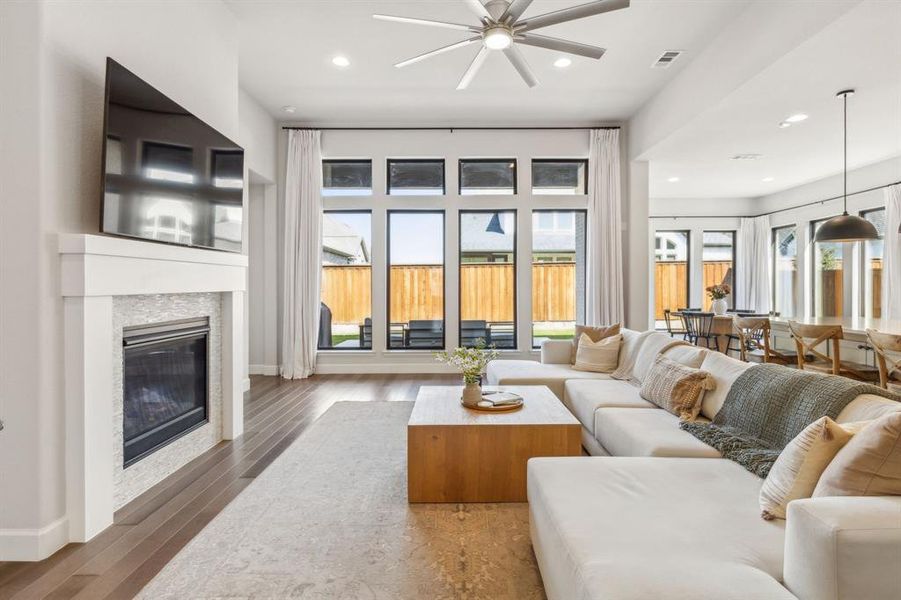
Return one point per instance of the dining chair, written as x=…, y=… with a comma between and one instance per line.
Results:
x=889, y=365
x=809, y=337
x=754, y=334
x=699, y=326
x=669, y=319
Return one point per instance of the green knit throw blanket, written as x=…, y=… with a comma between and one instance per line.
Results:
x=768, y=405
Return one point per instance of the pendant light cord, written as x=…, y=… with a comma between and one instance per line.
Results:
x=845, y=163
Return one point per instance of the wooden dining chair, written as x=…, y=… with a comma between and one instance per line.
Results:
x=807, y=340
x=754, y=334
x=699, y=326
x=889, y=365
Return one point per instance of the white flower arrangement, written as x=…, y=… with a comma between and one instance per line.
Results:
x=471, y=362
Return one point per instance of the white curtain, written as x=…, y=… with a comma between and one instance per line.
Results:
x=303, y=254
x=891, y=253
x=753, y=265
x=604, y=281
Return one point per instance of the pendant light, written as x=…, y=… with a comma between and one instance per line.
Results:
x=846, y=228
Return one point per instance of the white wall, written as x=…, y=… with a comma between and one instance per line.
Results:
x=55, y=54
x=522, y=145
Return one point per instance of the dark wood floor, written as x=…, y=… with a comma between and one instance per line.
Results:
x=150, y=530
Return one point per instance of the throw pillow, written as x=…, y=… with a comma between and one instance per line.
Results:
x=798, y=469
x=868, y=465
x=601, y=356
x=676, y=388
x=595, y=334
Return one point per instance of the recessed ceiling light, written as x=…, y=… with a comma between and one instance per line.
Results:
x=784, y=124
x=562, y=62
x=673, y=179
x=289, y=109
x=341, y=61
x=768, y=179
x=796, y=118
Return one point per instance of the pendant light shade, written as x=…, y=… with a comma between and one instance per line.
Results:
x=846, y=228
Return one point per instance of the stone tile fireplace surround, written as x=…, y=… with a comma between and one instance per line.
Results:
x=109, y=283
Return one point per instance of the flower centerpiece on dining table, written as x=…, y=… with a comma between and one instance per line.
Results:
x=471, y=362
x=718, y=294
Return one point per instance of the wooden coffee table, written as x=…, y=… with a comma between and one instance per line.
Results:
x=456, y=454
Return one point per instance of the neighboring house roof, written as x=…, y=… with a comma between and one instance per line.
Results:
x=340, y=239
x=478, y=235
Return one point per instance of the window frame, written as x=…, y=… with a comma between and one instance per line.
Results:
x=486, y=161
x=862, y=277
x=460, y=264
x=575, y=211
x=333, y=161
x=688, y=263
x=583, y=161
x=371, y=287
x=773, y=238
x=390, y=161
x=388, y=264
x=734, y=233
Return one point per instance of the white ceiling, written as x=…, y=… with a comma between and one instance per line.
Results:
x=861, y=50
x=286, y=51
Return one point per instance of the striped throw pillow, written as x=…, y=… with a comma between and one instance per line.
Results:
x=676, y=388
x=601, y=356
x=796, y=472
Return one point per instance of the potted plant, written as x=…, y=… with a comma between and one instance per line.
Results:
x=718, y=293
x=471, y=362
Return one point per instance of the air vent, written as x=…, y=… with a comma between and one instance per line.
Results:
x=747, y=156
x=666, y=59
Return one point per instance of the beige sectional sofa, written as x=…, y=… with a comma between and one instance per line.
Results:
x=656, y=513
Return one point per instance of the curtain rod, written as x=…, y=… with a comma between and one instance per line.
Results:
x=778, y=210
x=450, y=128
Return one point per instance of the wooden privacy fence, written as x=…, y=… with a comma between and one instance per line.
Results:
x=487, y=292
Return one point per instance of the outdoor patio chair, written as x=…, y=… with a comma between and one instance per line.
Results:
x=424, y=334
x=473, y=331
x=501, y=335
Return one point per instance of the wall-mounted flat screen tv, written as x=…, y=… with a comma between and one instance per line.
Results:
x=167, y=176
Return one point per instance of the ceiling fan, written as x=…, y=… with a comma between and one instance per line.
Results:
x=502, y=27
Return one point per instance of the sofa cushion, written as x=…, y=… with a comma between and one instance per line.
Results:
x=689, y=356
x=636, y=528
x=867, y=407
x=676, y=388
x=725, y=371
x=646, y=432
x=595, y=334
x=584, y=396
x=647, y=354
x=529, y=372
x=600, y=356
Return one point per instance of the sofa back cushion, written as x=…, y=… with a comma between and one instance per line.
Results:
x=647, y=353
x=595, y=334
x=725, y=371
x=867, y=407
x=689, y=356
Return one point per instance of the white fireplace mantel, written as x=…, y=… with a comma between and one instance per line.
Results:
x=94, y=269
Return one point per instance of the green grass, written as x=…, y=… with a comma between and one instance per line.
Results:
x=337, y=339
x=554, y=334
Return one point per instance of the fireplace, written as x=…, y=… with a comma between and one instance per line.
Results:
x=165, y=384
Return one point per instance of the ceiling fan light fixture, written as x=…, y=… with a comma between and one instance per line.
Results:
x=498, y=38
x=563, y=62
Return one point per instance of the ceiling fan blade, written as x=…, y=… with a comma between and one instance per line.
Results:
x=552, y=43
x=416, y=59
x=522, y=67
x=479, y=9
x=573, y=13
x=473, y=68
x=443, y=24
x=515, y=10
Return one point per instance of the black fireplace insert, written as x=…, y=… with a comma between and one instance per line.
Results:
x=165, y=389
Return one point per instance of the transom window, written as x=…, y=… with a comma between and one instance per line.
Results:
x=559, y=176
x=487, y=176
x=416, y=177
x=346, y=177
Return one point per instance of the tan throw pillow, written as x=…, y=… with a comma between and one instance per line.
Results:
x=796, y=472
x=595, y=334
x=868, y=465
x=601, y=356
x=676, y=388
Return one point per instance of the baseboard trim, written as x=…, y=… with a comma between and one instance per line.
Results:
x=34, y=544
x=263, y=370
x=246, y=383
x=375, y=368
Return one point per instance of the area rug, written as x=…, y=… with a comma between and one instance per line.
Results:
x=329, y=519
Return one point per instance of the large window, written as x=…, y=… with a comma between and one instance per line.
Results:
x=785, y=270
x=487, y=176
x=416, y=279
x=828, y=275
x=558, y=176
x=345, y=314
x=488, y=278
x=416, y=177
x=671, y=260
x=346, y=177
x=558, y=273
x=872, y=265
x=718, y=263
